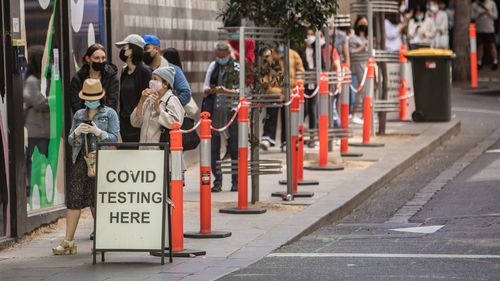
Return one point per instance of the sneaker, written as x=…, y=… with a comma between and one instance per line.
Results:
x=494, y=66
x=234, y=187
x=91, y=236
x=283, y=147
x=265, y=145
x=479, y=66
x=357, y=120
x=217, y=187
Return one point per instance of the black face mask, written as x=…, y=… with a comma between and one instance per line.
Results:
x=123, y=57
x=148, y=58
x=363, y=28
x=98, y=66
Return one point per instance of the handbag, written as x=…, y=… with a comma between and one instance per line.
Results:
x=190, y=140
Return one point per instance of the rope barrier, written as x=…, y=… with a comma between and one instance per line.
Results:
x=192, y=129
x=316, y=91
x=230, y=121
x=362, y=84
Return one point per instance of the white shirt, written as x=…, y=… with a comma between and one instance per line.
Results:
x=151, y=122
x=422, y=32
x=309, y=57
x=392, y=36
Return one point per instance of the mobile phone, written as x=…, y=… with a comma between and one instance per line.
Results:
x=89, y=122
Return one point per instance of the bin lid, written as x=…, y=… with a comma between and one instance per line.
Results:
x=429, y=52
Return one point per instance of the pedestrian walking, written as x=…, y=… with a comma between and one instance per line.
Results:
x=358, y=44
x=96, y=66
x=158, y=109
x=393, y=32
x=485, y=12
x=222, y=79
x=91, y=125
x=154, y=59
x=421, y=28
x=134, y=79
x=36, y=110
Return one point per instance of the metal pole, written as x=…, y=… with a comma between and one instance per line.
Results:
x=289, y=184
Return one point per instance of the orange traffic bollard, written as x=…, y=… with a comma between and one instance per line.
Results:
x=403, y=99
x=205, y=191
x=473, y=56
x=242, y=207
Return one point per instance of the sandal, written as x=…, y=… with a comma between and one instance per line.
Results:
x=66, y=247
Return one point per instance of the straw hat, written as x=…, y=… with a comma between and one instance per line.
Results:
x=92, y=90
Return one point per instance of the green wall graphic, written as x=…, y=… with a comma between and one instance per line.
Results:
x=44, y=169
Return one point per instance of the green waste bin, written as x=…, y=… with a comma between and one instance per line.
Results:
x=431, y=84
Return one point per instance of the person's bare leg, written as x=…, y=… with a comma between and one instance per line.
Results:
x=480, y=52
x=72, y=218
x=493, y=50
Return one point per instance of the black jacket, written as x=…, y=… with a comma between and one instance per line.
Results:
x=109, y=81
x=128, y=101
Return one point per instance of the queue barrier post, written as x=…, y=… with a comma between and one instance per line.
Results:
x=323, y=128
x=473, y=56
x=176, y=194
x=205, y=179
x=300, y=146
x=403, y=94
x=294, y=126
x=368, y=107
x=344, y=115
x=242, y=207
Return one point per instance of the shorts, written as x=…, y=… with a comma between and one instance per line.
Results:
x=486, y=38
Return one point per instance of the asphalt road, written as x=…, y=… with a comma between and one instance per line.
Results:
x=462, y=218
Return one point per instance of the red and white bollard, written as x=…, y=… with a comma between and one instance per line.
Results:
x=323, y=130
x=344, y=114
x=242, y=207
x=403, y=93
x=473, y=56
x=176, y=194
x=294, y=126
x=205, y=191
x=368, y=107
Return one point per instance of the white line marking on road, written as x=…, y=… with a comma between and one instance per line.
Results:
x=380, y=255
x=420, y=229
x=475, y=110
x=493, y=151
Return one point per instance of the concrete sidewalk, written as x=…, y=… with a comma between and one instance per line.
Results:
x=253, y=236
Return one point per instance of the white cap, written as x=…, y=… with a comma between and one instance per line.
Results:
x=132, y=39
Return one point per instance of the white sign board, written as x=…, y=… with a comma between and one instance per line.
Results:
x=129, y=209
x=394, y=82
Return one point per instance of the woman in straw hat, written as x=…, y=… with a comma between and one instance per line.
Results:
x=95, y=123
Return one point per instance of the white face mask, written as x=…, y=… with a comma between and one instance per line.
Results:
x=402, y=8
x=434, y=8
x=155, y=85
x=310, y=39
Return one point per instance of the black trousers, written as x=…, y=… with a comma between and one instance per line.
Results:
x=311, y=110
x=271, y=124
x=233, y=151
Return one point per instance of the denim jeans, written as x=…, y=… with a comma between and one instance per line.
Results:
x=233, y=151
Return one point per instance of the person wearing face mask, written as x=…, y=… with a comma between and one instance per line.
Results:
x=308, y=56
x=158, y=106
x=96, y=66
x=154, y=59
x=271, y=118
x=91, y=125
x=485, y=12
x=440, y=18
x=222, y=77
x=358, y=44
x=421, y=29
x=134, y=79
